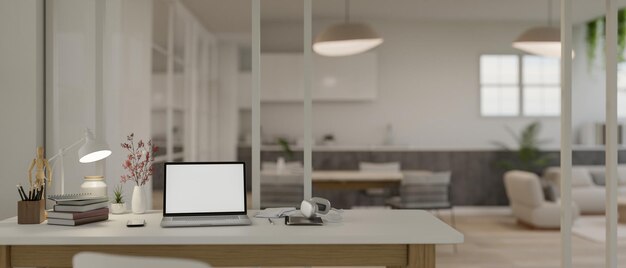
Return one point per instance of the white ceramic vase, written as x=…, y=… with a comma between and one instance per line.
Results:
x=139, y=205
x=118, y=208
x=280, y=165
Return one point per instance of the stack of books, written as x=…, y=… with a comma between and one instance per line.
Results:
x=73, y=210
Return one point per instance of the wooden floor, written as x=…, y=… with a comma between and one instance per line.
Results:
x=494, y=240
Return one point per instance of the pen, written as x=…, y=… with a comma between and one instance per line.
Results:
x=270, y=220
x=23, y=192
x=20, y=192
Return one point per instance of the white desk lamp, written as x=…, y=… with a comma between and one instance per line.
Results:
x=92, y=150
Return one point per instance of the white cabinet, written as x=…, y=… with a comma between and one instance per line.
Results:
x=352, y=78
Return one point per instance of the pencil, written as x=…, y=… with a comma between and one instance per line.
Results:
x=20, y=192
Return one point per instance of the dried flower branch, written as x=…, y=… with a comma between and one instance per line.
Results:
x=138, y=164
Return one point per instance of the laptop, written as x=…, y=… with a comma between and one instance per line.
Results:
x=204, y=194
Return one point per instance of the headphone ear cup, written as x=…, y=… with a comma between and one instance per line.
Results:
x=308, y=208
x=322, y=204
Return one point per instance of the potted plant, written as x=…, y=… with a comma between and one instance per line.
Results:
x=328, y=139
x=285, y=147
x=527, y=156
x=118, y=206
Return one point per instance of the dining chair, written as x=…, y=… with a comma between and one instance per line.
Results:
x=101, y=260
x=376, y=195
x=425, y=190
x=285, y=189
x=281, y=190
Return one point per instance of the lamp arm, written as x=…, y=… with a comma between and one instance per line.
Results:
x=63, y=150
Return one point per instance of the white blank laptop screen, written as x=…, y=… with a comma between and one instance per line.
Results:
x=204, y=188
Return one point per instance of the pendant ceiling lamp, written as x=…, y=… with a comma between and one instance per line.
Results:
x=346, y=38
x=543, y=41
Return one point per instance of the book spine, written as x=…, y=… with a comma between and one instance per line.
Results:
x=77, y=215
x=67, y=222
x=82, y=202
x=65, y=208
x=92, y=219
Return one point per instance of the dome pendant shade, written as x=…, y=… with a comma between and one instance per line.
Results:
x=346, y=39
x=543, y=41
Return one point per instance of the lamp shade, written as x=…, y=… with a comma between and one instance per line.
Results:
x=346, y=39
x=93, y=149
x=543, y=41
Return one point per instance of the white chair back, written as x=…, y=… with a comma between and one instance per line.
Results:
x=379, y=167
x=425, y=189
x=523, y=188
x=292, y=166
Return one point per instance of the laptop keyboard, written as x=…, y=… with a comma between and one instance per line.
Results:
x=206, y=218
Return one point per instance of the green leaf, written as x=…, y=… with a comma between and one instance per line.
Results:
x=591, y=38
x=528, y=155
x=621, y=34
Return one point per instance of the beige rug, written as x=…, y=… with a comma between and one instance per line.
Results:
x=593, y=228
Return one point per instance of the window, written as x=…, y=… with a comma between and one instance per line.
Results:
x=499, y=85
x=513, y=85
x=621, y=90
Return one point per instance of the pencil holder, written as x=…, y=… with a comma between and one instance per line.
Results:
x=31, y=212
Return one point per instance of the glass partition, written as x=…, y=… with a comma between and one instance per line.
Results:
x=281, y=118
x=195, y=113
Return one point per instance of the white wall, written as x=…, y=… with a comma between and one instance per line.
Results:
x=127, y=69
x=21, y=101
x=428, y=89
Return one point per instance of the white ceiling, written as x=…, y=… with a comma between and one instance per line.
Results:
x=234, y=15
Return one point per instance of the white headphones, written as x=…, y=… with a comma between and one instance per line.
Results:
x=314, y=206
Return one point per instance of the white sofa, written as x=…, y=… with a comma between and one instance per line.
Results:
x=587, y=194
x=528, y=203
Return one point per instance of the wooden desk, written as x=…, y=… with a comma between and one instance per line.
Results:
x=363, y=238
x=348, y=179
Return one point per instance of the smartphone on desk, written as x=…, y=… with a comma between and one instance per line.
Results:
x=298, y=220
x=136, y=223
